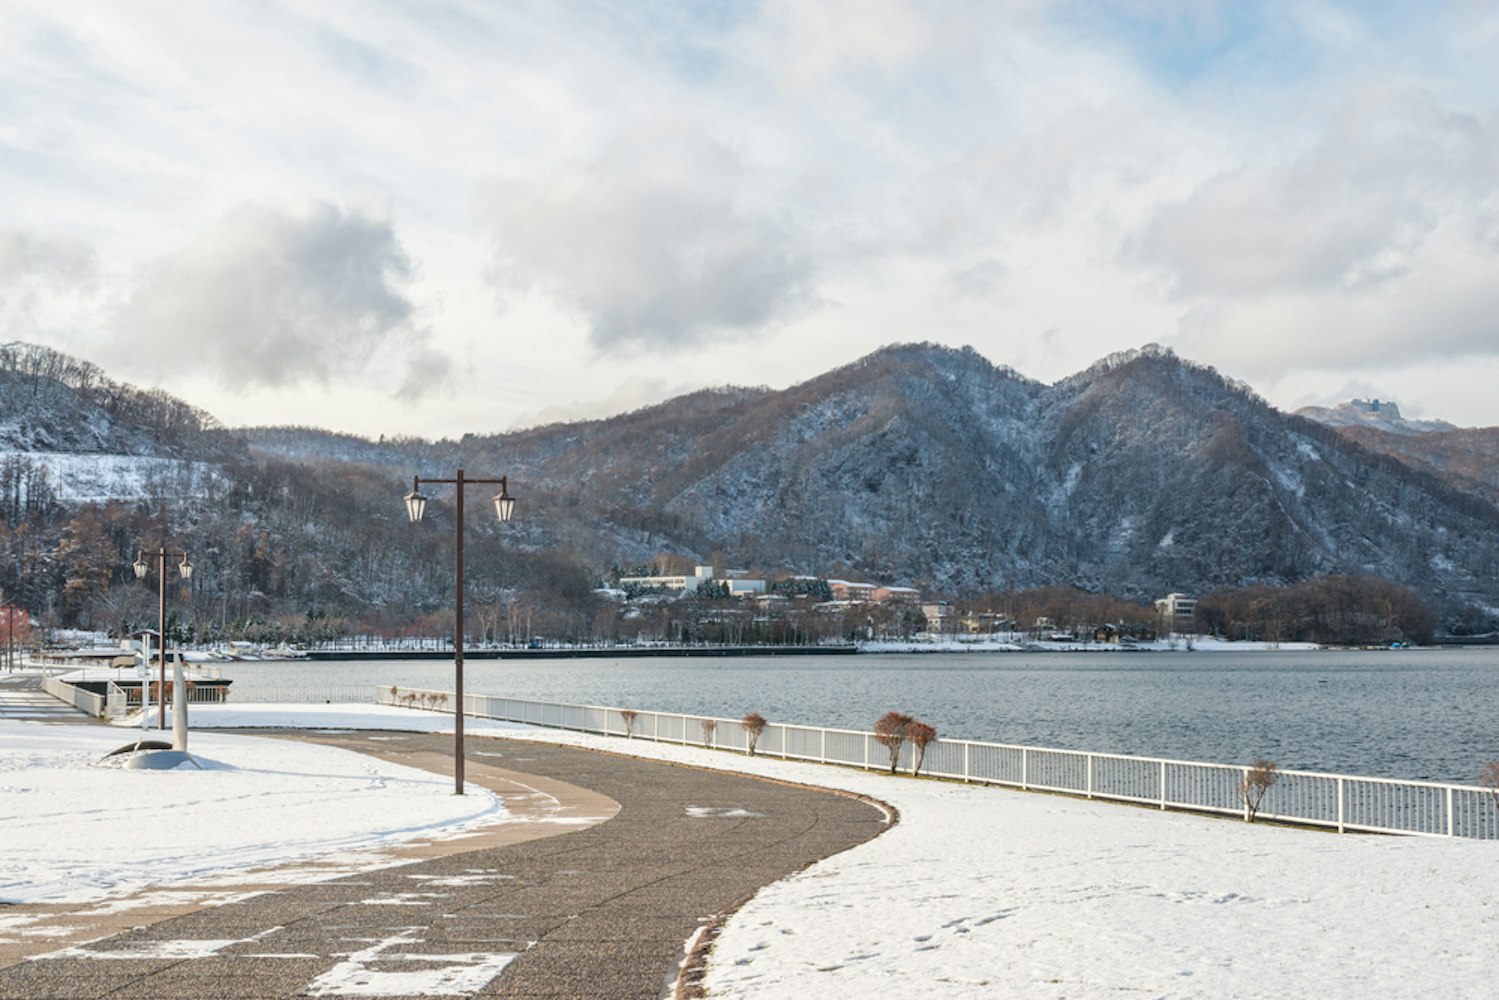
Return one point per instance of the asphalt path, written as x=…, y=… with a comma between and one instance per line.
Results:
x=611, y=909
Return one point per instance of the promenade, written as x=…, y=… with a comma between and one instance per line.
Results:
x=644, y=856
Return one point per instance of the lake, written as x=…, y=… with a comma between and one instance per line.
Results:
x=1413, y=714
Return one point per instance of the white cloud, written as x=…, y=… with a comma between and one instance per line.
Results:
x=47, y=284
x=1355, y=209
x=26, y=255
x=813, y=43
x=266, y=297
x=651, y=241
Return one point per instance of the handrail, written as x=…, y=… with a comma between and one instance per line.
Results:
x=80, y=698
x=1314, y=798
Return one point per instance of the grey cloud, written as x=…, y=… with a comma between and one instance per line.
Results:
x=266, y=297
x=1354, y=210
x=426, y=370
x=26, y=255
x=652, y=242
x=979, y=280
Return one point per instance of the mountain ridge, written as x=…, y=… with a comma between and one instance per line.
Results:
x=917, y=464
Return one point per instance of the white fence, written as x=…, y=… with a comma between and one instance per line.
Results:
x=348, y=694
x=79, y=698
x=1340, y=802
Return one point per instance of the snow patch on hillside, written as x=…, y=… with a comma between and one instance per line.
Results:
x=83, y=478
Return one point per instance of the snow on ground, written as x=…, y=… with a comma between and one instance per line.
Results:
x=999, y=893
x=975, y=892
x=75, y=828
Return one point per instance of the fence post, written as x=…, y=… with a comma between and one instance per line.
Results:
x=1163, y=784
x=1025, y=768
x=966, y=747
x=684, y=730
x=822, y=749
x=1090, y=775
x=866, y=752
x=1451, y=818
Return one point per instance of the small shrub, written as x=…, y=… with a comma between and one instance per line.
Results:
x=1258, y=778
x=921, y=736
x=753, y=725
x=890, y=732
x=1489, y=778
x=709, y=728
x=628, y=714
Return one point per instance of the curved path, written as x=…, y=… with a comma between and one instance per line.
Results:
x=604, y=911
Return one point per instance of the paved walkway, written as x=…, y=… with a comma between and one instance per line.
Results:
x=22, y=697
x=605, y=911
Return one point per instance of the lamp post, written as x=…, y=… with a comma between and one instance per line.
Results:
x=185, y=568
x=416, y=506
x=10, y=637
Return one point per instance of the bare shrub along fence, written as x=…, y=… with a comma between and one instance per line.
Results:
x=1335, y=801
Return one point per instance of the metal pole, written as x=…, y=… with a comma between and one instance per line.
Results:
x=458, y=644
x=161, y=636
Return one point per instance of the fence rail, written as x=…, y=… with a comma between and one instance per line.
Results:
x=80, y=698
x=1335, y=801
x=348, y=694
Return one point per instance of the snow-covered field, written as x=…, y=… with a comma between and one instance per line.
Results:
x=976, y=892
x=996, y=893
x=74, y=827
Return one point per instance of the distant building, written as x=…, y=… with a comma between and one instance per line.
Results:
x=940, y=617
x=895, y=595
x=690, y=584
x=737, y=584
x=1386, y=409
x=1178, y=613
x=847, y=590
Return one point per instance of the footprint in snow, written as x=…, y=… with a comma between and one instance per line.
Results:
x=1001, y=915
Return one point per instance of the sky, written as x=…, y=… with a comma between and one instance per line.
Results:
x=436, y=218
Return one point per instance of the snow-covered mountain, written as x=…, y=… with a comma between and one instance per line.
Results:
x=917, y=465
x=926, y=465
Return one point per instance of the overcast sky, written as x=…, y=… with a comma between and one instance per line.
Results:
x=432, y=218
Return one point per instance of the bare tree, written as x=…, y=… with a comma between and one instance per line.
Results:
x=1489, y=778
x=1258, y=778
x=753, y=725
x=890, y=732
x=628, y=715
x=921, y=736
x=709, y=728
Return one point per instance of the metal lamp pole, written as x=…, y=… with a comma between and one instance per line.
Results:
x=416, y=506
x=141, y=568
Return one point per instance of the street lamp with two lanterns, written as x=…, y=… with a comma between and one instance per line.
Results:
x=185, y=570
x=416, y=507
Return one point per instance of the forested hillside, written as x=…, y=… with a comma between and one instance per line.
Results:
x=918, y=465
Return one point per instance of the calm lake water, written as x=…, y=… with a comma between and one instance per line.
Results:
x=1415, y=714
